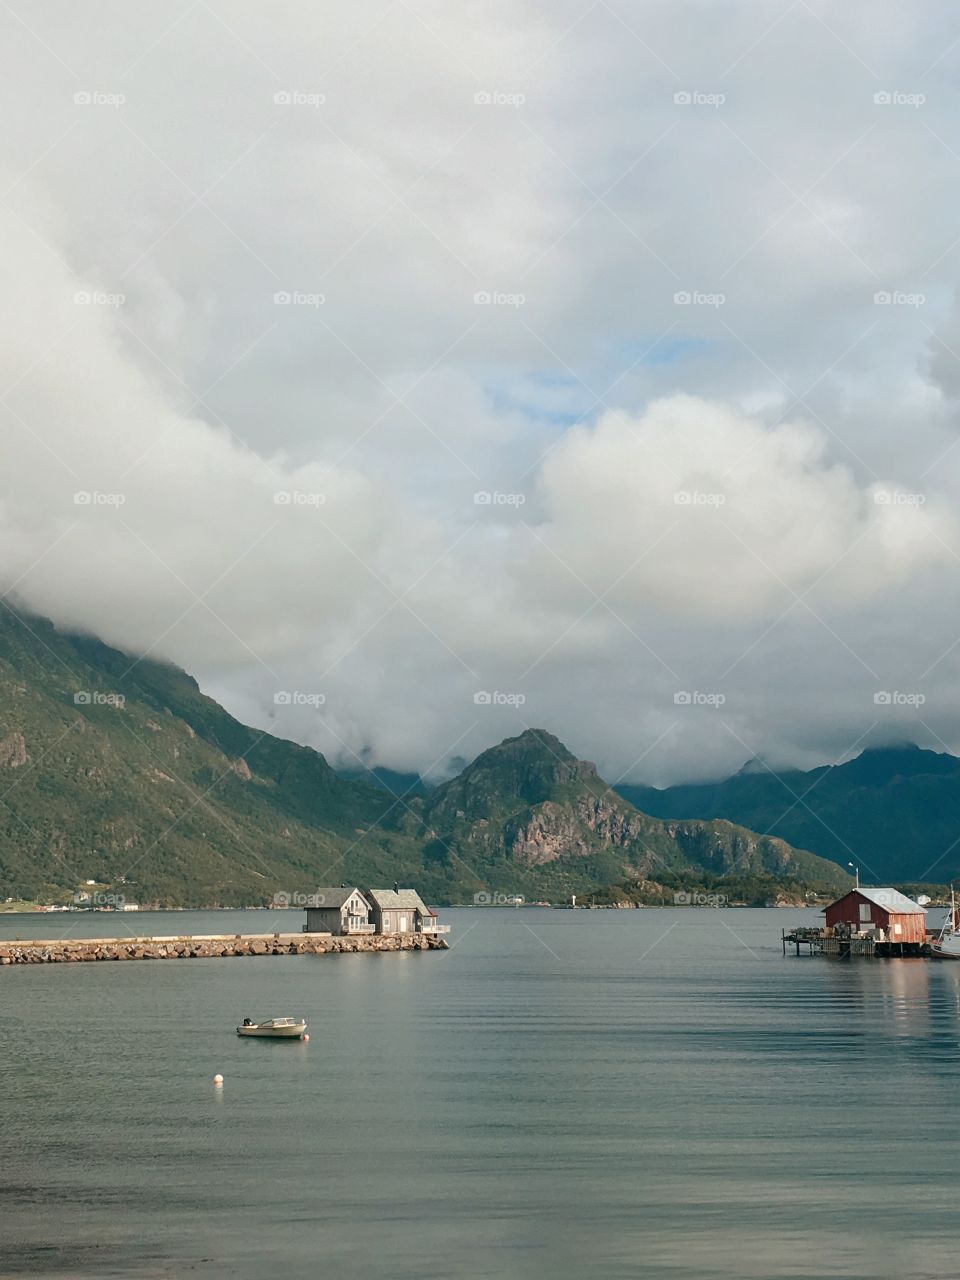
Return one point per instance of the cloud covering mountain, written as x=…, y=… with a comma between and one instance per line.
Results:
x=366, y=360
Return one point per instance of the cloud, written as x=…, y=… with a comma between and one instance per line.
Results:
x=144, y=522
x=243, y=319
x=704, y=511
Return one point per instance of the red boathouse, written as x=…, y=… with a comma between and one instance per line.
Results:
x=864, y=910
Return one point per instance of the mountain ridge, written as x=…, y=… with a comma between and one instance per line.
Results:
x=119, y=769
x=894, y=810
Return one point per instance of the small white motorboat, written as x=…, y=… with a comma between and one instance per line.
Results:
x=277, y=1028
x=947, y=945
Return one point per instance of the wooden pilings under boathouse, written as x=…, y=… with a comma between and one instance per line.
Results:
x=819, y=942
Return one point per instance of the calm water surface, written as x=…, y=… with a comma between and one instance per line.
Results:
x=568, y=1094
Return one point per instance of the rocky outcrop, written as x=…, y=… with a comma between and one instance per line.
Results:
x=551, y=831
x=13, y=751
x=576, y=829
x=196, y=948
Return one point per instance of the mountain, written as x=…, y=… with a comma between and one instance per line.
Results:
x=120, y=770
x=112, y=767
x=894, y=811
x=527, y=815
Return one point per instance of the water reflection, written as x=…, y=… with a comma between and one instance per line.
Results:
x=658, y=1093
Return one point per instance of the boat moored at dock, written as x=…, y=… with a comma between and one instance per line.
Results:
x=946, y=946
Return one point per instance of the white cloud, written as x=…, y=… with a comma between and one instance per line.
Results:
x=598, y=399
x=705, y=512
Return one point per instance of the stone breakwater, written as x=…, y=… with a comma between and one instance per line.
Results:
x=66, y=951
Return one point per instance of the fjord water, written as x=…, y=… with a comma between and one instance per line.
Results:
x=656, y=1093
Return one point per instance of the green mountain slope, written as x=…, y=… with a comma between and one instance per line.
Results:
x=894, y=811
x=110, y=768
x=121, y=771
x=528, y=816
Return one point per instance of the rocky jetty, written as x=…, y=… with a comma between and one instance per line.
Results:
x=66, y=951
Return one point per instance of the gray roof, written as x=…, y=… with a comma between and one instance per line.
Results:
x=891, y=900
x=404, y=899
x=321, y=898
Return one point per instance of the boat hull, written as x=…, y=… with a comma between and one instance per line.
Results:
x=274, y=1033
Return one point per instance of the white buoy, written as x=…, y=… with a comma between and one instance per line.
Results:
x=218, y=1080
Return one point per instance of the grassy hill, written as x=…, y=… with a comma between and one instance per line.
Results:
x=121, y=771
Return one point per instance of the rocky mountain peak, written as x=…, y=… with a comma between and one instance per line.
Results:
x=521, y=771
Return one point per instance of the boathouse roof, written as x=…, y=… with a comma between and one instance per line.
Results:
x=891, y=900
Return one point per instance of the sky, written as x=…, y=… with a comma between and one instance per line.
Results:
x=414, y=373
